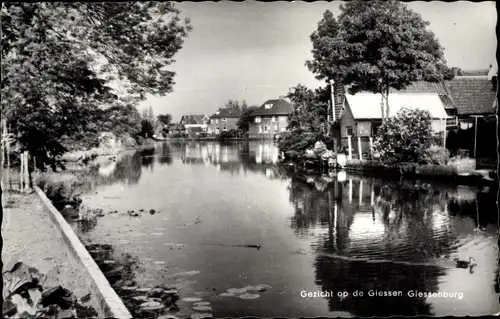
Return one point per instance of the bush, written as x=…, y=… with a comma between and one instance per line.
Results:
x=404, y=137
x=290, y=143
x=61, y=187
x=436, y=155
x=228, y=134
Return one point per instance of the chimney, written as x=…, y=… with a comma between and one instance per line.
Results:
x=456, y=71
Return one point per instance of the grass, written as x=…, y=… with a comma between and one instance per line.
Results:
x=62, y=187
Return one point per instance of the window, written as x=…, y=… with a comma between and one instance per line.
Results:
x=268, y=106
x=265, y=129
x=224, y=120
x=276, y=127
x=348, y=131
x=216, y=121
x=257, y=119
x=273, y=119
x=217, y=131
x=260, y=128
x=225, y=128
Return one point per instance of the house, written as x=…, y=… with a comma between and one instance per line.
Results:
x=198, y=121
x=362, y=116
x=270, y=119
x=223, y=120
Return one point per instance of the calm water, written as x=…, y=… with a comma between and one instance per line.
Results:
x=336, y=234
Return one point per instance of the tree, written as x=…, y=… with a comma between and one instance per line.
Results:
x=235, y=105
x=375, y=46
x=165, y=119
x=404, y=137
x=245, y=119
x=63, y=63
x=148, y=123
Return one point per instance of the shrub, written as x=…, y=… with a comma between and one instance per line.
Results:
x=61, y=187
x=296, y=142
x=404, y=137
x=436, y=155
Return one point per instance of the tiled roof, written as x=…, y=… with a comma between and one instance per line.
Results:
x=193, y=118
x=367, y=105
x=472, y=95
x=424, y=87
x=226, y=113
x=278, y=107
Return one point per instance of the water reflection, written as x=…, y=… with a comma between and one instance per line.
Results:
x=374, y=235
x=360, y=233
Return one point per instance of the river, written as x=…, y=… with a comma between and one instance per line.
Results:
x=327, y=244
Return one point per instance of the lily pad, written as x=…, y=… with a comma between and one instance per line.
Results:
x=160, y=262
x=200, y=315
x=157, y=234
x=237, y=290
x=167, y=317
x=202, y=308
x=109, y=262
x=129, y=288
x=152, y=305
x=201, y=303
x=191, y=299
x=259, y=288
x=171, y=292
x=143, y=289
x=248, y=296
x=227, y=294
x=140, y=298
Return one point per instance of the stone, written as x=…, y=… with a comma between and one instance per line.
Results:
x=152, y=305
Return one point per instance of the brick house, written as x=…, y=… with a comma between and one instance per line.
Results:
x=223, y=120
x=270, y=119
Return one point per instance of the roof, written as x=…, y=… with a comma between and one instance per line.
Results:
x=226, y=113
x=278, y=107
x=367, y=105
x=193, y=118
x=472, y=95
x=424, y=87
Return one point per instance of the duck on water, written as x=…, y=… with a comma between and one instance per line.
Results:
x=465, y=264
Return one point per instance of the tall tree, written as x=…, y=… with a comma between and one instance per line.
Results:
x=245, y=119
x=64, y=62
x=235, y=105
x=374, y=46
x=165, y=118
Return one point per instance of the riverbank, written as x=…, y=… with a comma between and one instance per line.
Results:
x=427, y=172
x=31, y=237
x=215, y=139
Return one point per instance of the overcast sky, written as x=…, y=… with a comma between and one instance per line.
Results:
x=256, y=51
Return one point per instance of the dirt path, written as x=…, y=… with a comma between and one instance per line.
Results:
x=30, y=236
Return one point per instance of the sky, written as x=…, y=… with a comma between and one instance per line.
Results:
x=256, y=51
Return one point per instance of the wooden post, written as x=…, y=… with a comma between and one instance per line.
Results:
x=360, y=192
x=475, y=136
x=360, y=149
x=350, y=190
x=444, y=133
x=26, y=172
x=371, y=147
x=372, y=195
x=349, y=145
x=21, y=173
x=333, y=100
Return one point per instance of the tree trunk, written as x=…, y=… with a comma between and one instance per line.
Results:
x=387, y=101
x=382, y=107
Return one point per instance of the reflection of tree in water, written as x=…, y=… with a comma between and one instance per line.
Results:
x=409, y=235
x=164, y=154
x=148, y=158
x=338, y=276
